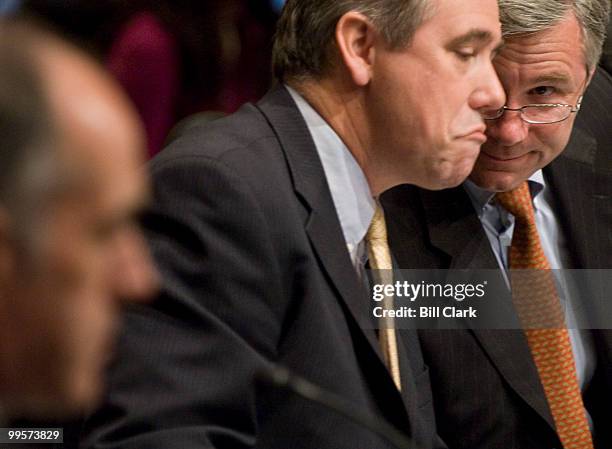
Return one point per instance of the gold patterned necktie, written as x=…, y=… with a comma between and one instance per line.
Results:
x=536, y=302
x=380, y=259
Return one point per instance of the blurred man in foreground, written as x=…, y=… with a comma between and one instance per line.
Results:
x=71, y=183
x=539, y=198
x=260, y=225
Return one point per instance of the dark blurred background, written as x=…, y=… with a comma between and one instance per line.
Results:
x=174, y=58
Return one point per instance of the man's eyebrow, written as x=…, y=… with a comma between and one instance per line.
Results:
x=553, y=78
x=474, y=35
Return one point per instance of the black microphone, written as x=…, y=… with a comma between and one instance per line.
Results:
x=279, y=377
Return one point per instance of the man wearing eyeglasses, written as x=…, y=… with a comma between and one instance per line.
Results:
x=550, y=143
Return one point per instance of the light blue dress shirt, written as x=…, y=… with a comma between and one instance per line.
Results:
x=349, y=187
x=499, y=226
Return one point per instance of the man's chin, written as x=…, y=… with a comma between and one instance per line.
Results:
x=453, y=176
x=458, y=179
x=84, y=393
x=495, y=181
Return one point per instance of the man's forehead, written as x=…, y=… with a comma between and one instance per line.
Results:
x=561, y=42
x=540, y=63
x=477, y=19
x=472, y=36
x=104, y=192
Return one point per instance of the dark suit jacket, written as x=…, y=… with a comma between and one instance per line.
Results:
x=486, y=389
x=255, y=271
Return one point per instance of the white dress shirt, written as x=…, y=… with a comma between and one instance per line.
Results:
x=349, y=187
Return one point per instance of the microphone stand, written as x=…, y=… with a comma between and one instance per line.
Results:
x=279, y=377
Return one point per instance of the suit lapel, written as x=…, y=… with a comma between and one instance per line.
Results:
x=455, y=229
x=585, y=213
x=322, y=225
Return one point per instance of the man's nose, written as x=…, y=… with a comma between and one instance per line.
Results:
x=489, y=94
x=509, y=129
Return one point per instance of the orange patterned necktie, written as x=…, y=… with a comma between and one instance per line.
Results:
x=538, y=307
x=380, y=259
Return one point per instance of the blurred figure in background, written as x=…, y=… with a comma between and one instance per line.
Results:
x=174, y=58
x=70, y=185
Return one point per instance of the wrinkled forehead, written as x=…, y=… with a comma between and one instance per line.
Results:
x=553, y=56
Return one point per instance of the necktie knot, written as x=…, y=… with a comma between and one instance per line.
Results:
x=518, y=202
x=377, y=232
x=376, y=238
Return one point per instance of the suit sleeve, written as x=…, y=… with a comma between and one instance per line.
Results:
x=184, y=370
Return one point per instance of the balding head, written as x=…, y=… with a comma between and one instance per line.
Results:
x=84, y=249
x=87, y=103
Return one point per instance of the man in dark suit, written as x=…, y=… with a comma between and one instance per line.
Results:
x=486, y=385
x=258, y=227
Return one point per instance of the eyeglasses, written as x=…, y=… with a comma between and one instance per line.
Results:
x=537, y=114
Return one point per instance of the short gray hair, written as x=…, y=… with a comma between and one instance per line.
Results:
x=305, y=31
x=28, y=162
x=519, y=17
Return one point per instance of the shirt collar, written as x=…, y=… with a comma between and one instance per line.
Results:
x=481, y=197
x=348, y=185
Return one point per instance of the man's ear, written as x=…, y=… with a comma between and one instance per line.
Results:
x=355, y=38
